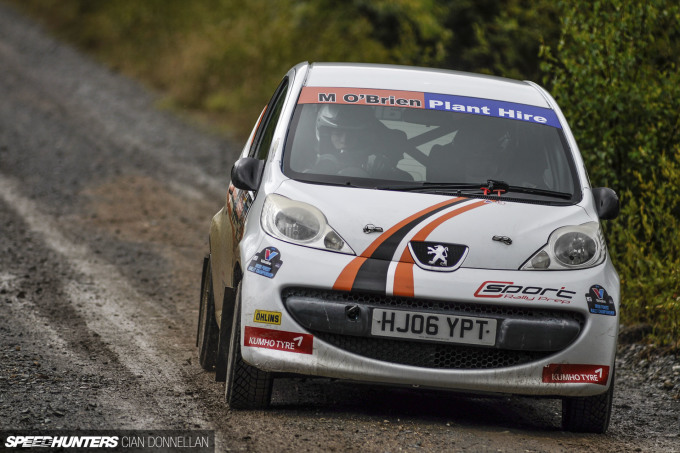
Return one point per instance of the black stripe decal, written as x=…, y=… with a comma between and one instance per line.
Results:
x=372, y=275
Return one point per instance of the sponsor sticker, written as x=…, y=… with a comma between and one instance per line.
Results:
x=430, y=101
x=510, y=290
x=266, y=263
x=361, y=96
x=490, y=107
x=599, y=302
x=267, y=317
x=281, y=340
x=567, y=373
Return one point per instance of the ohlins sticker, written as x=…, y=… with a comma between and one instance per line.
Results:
x=430, y=101
x=266, y=263
x=509, y=290
x=368, y=271
x=599, y=302
x=267, y=317
x=280, y=340
x=567, y=373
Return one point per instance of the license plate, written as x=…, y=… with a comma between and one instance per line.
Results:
x=434, y=327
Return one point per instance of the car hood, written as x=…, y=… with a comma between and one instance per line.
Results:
x=406, y=216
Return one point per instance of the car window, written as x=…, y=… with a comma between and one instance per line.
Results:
x=265, y=133
x=373, y=145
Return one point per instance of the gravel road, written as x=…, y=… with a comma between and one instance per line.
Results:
x=105, y=204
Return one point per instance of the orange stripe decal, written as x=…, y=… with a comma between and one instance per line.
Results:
x=403, y=276
x=386, y=235
x=429, y=228
x=347, y=277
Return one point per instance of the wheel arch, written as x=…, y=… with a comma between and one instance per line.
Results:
x=221, y=246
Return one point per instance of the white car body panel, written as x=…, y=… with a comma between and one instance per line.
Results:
x=349, y=209
x=330, y=361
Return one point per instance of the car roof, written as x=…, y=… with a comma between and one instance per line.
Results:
x=409, y=78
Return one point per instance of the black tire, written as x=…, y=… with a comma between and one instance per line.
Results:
x=247, y=387
x=207, y=337
x=590, y=414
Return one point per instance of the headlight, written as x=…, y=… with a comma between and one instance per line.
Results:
x=300, y=223
x=571, y=247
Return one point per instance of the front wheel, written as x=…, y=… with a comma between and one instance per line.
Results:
x=590, y=414
x=247, y=387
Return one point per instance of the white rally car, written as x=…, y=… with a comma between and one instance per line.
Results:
x=418, y=227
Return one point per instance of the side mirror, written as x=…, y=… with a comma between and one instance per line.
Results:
x=606, y=203
x=246, y=174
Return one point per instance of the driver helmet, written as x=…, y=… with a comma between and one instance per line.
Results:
x=339, y=127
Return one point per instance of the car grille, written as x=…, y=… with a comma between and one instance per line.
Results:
x=424, y=354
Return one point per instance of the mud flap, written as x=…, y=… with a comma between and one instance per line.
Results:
x=225, y=333
x=206, y=259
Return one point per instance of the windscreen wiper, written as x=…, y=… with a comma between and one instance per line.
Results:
x=425, y=186
x=492, y=187
x=543, y=192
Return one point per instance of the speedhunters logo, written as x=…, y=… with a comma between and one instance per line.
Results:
x=109, y=440
x=61, y=441
x=509, y=290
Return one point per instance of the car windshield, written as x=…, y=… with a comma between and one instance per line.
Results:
x=406, y=148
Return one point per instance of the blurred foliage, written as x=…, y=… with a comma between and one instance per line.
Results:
x=615, y=75
x=612, y=65
x=225, y=57
x=500, y=37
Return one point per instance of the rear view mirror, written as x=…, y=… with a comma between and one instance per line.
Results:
x=246, y=174
x=606, y=203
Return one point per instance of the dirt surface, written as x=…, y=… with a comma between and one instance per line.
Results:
x=105, y=204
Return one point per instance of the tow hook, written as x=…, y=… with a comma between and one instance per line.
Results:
x=353, y=312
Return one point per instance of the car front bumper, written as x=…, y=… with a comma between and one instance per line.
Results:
x=276, y=339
